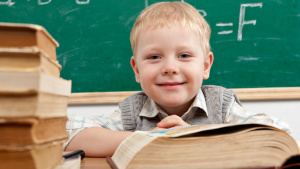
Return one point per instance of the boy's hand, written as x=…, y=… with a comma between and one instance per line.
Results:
x=171, y=121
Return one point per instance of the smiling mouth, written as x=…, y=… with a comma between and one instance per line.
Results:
x=171, y=84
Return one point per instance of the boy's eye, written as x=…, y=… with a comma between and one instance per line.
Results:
x=154, y=57
x=184, y=55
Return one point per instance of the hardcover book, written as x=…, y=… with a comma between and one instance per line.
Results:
x=39, y=156
x=16, y=35
x=28, y=59
x=30, y=131
x=33, y=94
x=209, y=146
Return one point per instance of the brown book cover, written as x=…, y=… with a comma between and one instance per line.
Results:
x=41, y=105
x=209, y=146
x=28, y=59
x=30, y=131
x=41, y=156
x=33, y=94
x=27, y=35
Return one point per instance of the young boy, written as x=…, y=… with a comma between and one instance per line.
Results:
x=170, y=44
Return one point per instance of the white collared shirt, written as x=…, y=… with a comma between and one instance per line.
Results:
x=236, y=114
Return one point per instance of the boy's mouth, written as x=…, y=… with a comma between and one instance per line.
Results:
x=171, y=85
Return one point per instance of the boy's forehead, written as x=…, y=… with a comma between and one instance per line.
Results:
x=153, y=34
x=175, y=37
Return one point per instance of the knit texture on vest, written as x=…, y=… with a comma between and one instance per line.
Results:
x=218, y=100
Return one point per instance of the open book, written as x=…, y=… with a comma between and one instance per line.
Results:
x=208, y=146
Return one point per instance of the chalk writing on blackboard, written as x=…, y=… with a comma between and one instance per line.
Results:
x=242, y=21
x=8, y=3
x=222, y=25
x=82, y=2
x=201, y=11
x=43, y=2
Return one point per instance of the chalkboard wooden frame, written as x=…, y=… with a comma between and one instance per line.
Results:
x=246, y=94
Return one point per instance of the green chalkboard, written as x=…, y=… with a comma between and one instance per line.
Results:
x=256, y=43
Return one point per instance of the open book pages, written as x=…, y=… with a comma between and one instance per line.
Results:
x=185, y=130
x=209, y=146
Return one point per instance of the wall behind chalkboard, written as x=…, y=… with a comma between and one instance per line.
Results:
x=256, y=43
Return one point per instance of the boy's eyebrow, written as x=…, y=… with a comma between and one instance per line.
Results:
x=156, y=47
x=187, y=48
x=184, y=48
x=152, y=48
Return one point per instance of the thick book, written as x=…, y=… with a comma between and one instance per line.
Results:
x=30, y=131
x=15, y=35
x=28, y=59
x=40, y=156
x=208, y=146
x=33, y=94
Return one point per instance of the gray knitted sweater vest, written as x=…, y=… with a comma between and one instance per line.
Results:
x=217, y=99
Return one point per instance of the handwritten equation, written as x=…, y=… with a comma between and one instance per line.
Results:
x=43, y=2
x=242, y=21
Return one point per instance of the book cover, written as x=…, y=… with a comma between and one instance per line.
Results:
x=27, y=35
x=39, y=156
x=30, y=131
x=28, y=60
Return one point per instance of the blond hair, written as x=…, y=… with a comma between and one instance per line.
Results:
x=168, y=14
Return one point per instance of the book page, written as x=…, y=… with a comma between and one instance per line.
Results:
x=129, y=147
x=185, y=130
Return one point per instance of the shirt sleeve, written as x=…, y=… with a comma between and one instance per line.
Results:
x=77, y=123
x=238, y=114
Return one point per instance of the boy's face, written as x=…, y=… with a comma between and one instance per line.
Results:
x=170, y=66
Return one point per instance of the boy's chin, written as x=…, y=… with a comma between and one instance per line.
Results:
x=173, y=104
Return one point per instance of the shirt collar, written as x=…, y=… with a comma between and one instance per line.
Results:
x=151, y=109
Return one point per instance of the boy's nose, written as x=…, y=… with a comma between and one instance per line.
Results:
x=169, y=69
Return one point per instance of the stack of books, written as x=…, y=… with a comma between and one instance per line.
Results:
x=33, y=98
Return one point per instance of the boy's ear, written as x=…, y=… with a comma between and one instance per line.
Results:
x=207, y=65
x=135, y=69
